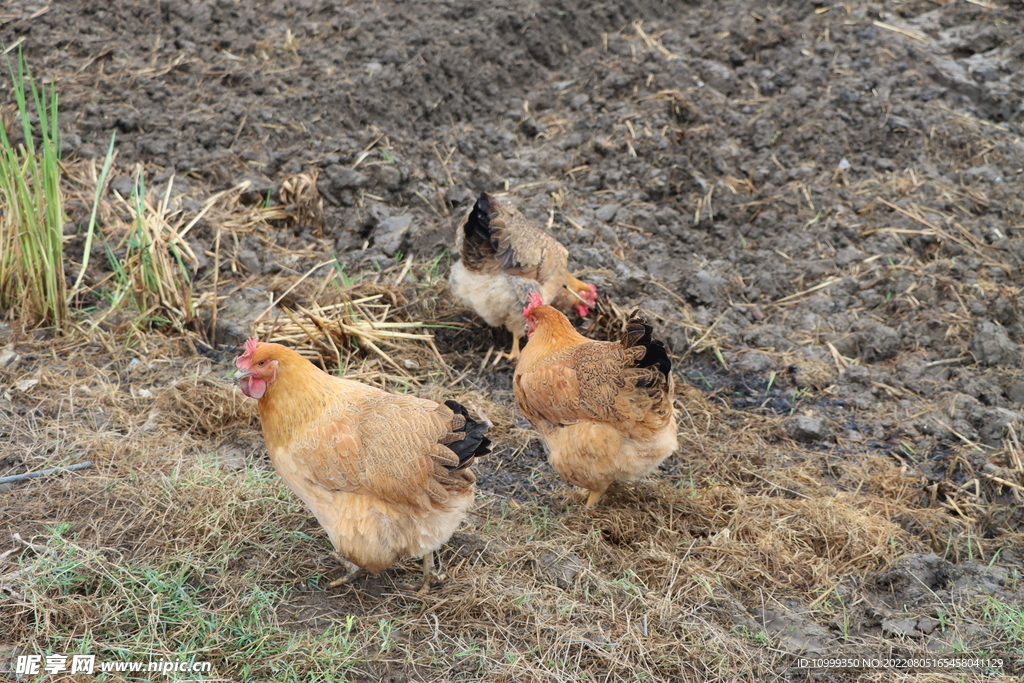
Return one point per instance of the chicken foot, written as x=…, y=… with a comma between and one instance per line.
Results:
x=432, y=574
x=352, y=571
x=593, y=498
x=511, y=355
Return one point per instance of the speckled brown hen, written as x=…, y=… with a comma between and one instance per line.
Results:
x=603, y=409
x=387, y=476
x=503, y=260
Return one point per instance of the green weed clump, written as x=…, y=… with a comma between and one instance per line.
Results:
x=152, y=275
x=32, y=286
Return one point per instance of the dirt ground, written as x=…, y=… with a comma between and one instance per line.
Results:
x=820, y=207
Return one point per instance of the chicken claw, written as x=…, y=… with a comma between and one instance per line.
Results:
x=352, y=571
x=511, y=355
x=431, y=575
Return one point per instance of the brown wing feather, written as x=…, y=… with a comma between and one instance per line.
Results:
x=522, y=249
x=388, y=446
x=496, y=236
x=590, y=381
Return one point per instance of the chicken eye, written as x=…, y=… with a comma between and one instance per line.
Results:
x=262, y=362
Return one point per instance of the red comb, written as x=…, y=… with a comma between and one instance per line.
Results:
x=242, y=362
x=534, y=301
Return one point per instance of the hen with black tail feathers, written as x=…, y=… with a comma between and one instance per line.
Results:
x=388, y=476
x=504, y=259
x=603, y=409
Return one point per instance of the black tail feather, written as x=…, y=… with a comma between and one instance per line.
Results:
x=639, y=333
x=474, y=444
x=478, y=244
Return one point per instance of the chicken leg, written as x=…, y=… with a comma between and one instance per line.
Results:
x=511, y=355
x=431, y=574
x=352, y=571
x=592, y=498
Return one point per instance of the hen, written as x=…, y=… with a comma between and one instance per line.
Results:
x=387, y=476
x=603, y=409
x=503, y=260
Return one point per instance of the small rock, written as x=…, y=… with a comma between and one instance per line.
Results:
x=754, y=363
x=807, y=428
x=123, y=185
x=389, y=176
x=607, y=212
x=251, y=261
x=578, y=101
x=991, y=345
x=1014, y=390
x=8, y=357
x=900, y=627
x=24, y=385
x=344, y=178
x=389, y=234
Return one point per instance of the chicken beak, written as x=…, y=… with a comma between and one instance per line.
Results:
x=577, y=295
x=242, y=374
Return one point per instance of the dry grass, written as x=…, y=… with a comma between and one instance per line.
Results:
x=181, y=539
x=167, y=546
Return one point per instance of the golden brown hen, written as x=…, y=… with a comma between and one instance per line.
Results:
x=603, y=409
x=503, y=260
x=387, y=476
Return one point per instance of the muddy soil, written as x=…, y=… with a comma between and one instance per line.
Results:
x=832, y=194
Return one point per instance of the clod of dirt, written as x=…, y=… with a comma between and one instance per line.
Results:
x=797, y=634
x=900, y=627
x=916, y=574
x=559, y=566
x=991, y=345
x=927, y=624
x=250, y=260
x=123, y=185
x=7, y=357
x=231, y=458
x=754, y=363
x=236, y=313
x=391, y=232
x=470, y=545
x=705, y=286
x=874, y=343
x=1015, y=391
x=607, y=212
x=807, y=428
